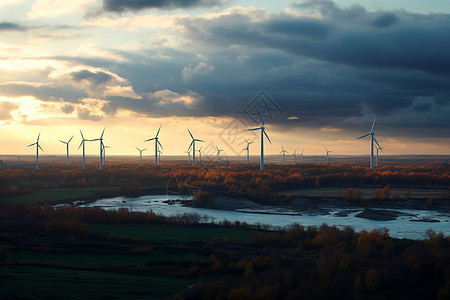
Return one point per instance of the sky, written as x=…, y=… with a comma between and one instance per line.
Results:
x=319, y=72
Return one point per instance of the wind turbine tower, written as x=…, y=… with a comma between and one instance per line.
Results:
x=328, y=151
x=193, y=146
x=189, y=155
x=372, y=140
x=156, y=144
x=263, y=133
x=140, y=155
x=283, y=151
x=83, y=140
x=67, y=149
x=302, y=154
x=295, y=156
x=37, y=150
x=378, y=149
x=101, y=148
x=218, y=155
x=200, y=154
x=248, y=151
x=104, y=154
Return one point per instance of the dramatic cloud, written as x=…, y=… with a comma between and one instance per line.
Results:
x=201, y=68
x=136, y=5
x=97, y=82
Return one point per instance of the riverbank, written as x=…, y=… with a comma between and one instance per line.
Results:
x=381, y=210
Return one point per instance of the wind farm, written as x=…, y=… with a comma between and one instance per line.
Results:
x=218, y=149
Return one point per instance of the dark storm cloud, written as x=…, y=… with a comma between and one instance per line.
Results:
x=7, y=26
x=384, y=20
x=418, y=42
x=136, y=5
x=337, y=71
x=95, y=78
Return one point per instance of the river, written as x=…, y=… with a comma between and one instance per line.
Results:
x=406, y=226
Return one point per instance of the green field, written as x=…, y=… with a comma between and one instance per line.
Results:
x=116, y=262
x=58, y=194
x=34, y=282
x=172, y=233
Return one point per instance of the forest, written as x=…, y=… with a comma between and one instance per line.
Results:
x=239, y=179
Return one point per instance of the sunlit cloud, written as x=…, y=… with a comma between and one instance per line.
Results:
x=166, y=97
x=56, y=8
x=201, y=69
x=97, y=82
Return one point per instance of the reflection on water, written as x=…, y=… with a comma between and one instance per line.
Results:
x=402, y=227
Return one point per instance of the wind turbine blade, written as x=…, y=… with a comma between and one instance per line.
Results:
x=190, y=133
x=200, y=148
x=376, y=142
x=31, y=145
x=82, y=134
x=158, y=131
x=138, y=149
x=160, y=144
x=189, y=149
x=39, y=135
x=267, y=137
x=253, y=129
x=246, y=140
x=70, y=139
x=40, y=147
x=81, y=144
x=217, y=148
x=373, y=125
x=264, y=120
x=363, y=136
x=199, y=141
x=149, y=140
x=326, y=149
x=62, y=142
x=103, y=132
x=144, y=149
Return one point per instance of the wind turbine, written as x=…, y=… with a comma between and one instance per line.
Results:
x=283, y=151
x=263, y=132
x=378, y=149
x=328, y=151
x=218, y=155
x=37, y=150
x=193, y=146
x=104, y=154
x=67, y=148
x=373, y=139
x=101, y=147
x=189, y=155
x=159, y=156
x=200, y=153
x=83, y=140
x=140, y=155
x=302, y=154
x=156, y=145
x=295, y=156
x=248, y=151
